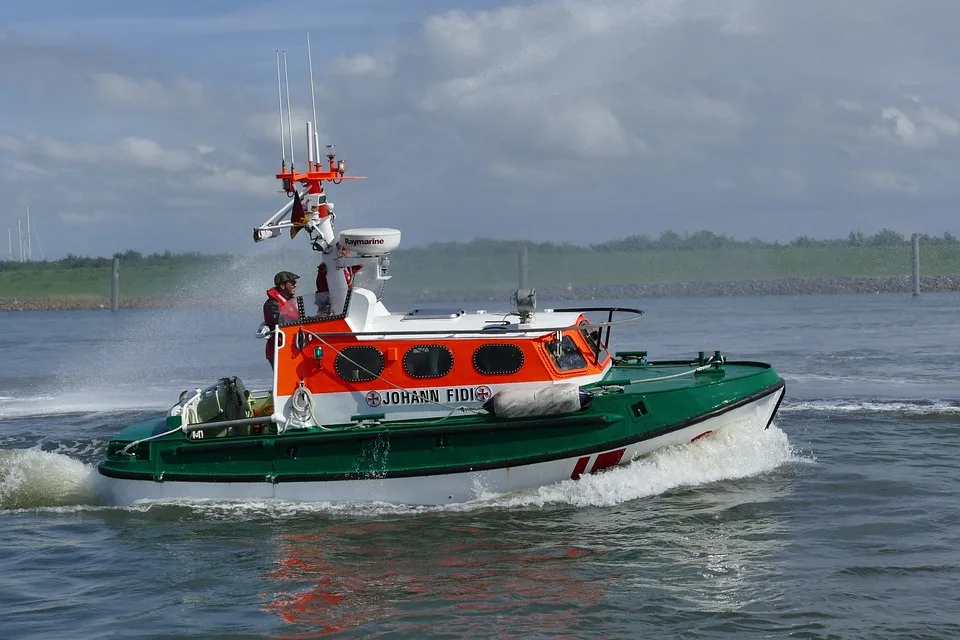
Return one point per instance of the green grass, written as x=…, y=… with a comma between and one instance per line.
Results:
x=422, y=270
x=93, y=282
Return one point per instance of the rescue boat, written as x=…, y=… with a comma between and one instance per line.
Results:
x=427, y=406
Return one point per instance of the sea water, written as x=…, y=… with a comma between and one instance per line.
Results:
x=840, y=520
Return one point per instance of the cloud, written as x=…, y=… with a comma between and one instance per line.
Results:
x=138, y=152
x=149, y=154
x=890, y=181
x=924, y=130
x=943, y=124
x=364, y=64
x=237, y=181
x=588, y=130
x=74, y=218
x=651, y=114
x=27, y=170
x=265, y=125
x=8, y=143
x=117, y=89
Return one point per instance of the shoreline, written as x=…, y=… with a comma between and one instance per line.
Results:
x=53, y=303
x=787, y=286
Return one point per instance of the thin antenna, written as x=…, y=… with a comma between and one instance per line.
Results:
x=39, y=246
x=313, y=100
x=29, y=243
x=283, y=149
x=286, y=81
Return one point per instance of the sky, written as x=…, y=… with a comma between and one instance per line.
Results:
x=154, y=126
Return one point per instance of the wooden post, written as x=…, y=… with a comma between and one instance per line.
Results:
x=915, y=264
x=115, y=286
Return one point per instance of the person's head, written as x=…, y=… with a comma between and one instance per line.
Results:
x=286, y=281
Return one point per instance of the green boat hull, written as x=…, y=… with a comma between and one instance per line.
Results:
x=637, y=408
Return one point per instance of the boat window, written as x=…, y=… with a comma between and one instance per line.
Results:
x=565, y=354
x=492, y=359
x=359, y=364
x=593, y=339
x=428, y=361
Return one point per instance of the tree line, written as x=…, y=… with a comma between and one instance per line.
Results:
x=673, y=241
x=666, y=241
x=71, y=261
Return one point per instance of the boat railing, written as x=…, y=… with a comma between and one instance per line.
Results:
x=498, y=327
x=604, y=342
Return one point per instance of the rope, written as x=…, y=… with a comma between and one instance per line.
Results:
x=306, y=409
x=710, y=363
x=125, y=451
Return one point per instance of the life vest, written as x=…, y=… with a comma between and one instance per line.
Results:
x=288, y=308
x=288, y=311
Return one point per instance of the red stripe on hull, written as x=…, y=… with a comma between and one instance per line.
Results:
x=607, y=460
x=580, y=468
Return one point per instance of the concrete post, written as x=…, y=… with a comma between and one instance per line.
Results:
x=115, y=286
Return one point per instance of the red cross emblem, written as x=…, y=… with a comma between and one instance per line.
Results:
x=483, y=393
x=373, y=399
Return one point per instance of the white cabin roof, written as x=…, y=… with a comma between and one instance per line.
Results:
x=367, y=315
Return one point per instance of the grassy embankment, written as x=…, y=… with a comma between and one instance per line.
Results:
x=419, y=270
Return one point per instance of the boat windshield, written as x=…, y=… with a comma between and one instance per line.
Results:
x=565, y=354
x=593, y=339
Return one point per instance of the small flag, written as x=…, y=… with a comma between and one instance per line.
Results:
x=298, y=217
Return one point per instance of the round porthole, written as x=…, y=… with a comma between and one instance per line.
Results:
x=428, y=361
x=359, y=364
x=495, y=359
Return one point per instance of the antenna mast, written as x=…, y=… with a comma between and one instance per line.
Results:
x=286, y=81
x=283, y=149
x=315, y=150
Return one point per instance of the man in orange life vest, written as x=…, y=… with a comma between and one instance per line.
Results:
x=280, y=304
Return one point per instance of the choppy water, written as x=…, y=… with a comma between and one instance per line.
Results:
x=842, y=520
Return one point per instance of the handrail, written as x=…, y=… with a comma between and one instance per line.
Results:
x=500, y=330
x=638, y=312
x=608, y=324
x=199, y=426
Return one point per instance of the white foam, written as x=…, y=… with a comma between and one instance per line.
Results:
x=853, y=379
x=35, y=478
x=738, y=451
x=872, y=406
x=83, y=402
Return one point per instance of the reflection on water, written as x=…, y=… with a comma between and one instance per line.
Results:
x=353, y=575
x=538, y=571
